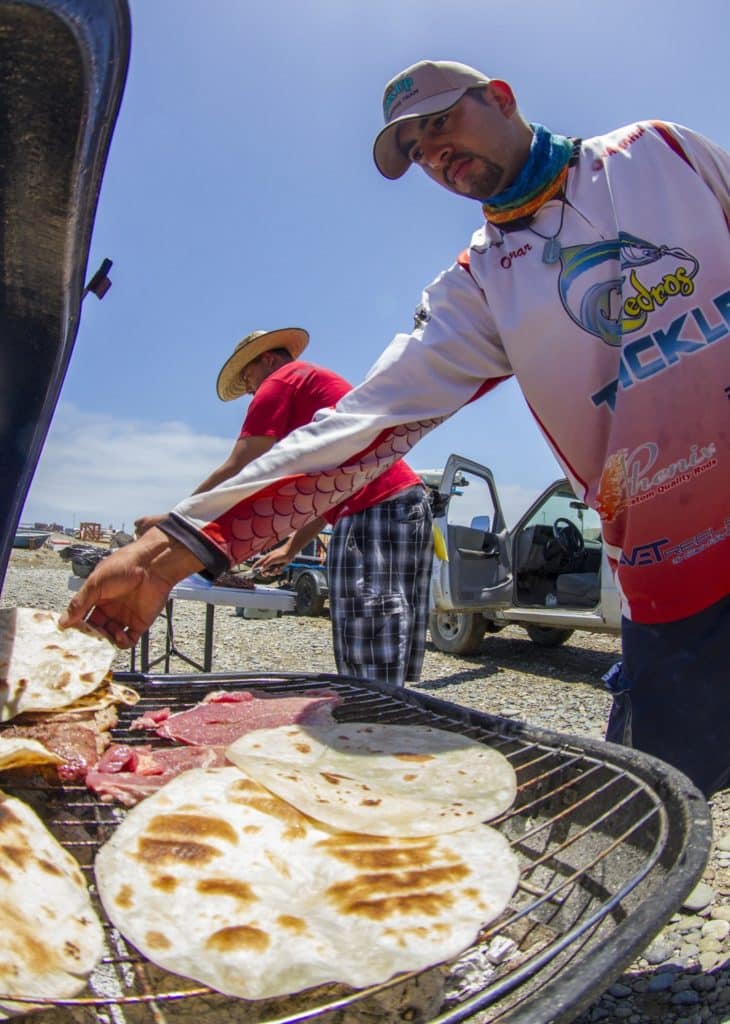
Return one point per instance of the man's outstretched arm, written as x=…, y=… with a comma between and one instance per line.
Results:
x=454, y=356
x=419, y=381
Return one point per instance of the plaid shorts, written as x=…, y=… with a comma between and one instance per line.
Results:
x=379, y=573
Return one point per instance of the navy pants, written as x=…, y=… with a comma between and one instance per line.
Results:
x=672, y=694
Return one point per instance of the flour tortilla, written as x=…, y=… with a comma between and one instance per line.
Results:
x=386, y=780
x=218, y=880
x=22, y=751
x=108, y=694
x=51, y=937
x=44, y=667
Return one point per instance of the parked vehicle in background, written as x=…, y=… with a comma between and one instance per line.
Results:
x=306, y=575
x=548, y=574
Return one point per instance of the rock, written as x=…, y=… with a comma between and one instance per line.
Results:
x=710, y=945
x=703, y=983
x=687, y=997
x=690, y=922
x=687, y=951
x=681, y=983
x=700, y=897
x=600, y=1013
x=716, y=929
x=661, y=982
x=658, y=953
x=708, y=961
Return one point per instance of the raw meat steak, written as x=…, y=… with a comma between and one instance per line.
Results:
x=224, y=716
x=128, y=774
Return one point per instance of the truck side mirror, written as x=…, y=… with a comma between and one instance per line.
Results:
x=481, y=523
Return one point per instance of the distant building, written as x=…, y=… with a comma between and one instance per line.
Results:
x=90, y=531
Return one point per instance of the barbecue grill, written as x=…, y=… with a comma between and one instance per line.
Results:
x=609, y=841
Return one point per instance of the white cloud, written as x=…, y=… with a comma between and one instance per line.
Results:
x=101, y=468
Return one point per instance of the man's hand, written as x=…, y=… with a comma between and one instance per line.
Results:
x=145, y=523
x=280, y=555
x=126, y=591
x=287, y=551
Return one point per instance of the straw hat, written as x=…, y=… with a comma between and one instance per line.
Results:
x=229, y=384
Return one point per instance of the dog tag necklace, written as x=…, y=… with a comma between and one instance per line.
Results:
x=552, y=248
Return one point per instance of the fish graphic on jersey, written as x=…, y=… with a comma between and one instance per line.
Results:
x=609, y=288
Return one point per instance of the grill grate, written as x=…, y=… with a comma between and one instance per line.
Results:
x=609, y=842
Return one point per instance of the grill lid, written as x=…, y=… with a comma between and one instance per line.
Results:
x=63, y=65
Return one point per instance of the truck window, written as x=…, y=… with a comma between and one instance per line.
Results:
x=563, y=504
x=471, y=502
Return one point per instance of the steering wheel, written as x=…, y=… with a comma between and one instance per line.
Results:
x=568, y=537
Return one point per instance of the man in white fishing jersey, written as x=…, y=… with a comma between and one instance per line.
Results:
x=600, y=279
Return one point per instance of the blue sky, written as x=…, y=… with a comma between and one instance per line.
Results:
x=240, y=194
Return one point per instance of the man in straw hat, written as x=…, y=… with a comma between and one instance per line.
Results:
x=259, y=353
x=600, y=278
x=380, y=553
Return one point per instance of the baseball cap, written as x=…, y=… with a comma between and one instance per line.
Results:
x=425, y=88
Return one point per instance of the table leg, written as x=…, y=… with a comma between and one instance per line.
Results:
x=208, y=650
x=171, y=650
x=144, y=652
x=169, y=637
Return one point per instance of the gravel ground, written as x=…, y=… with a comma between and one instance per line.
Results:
x=684, y=975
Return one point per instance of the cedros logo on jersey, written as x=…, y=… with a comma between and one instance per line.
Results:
x=611, y=288
x=612, y=305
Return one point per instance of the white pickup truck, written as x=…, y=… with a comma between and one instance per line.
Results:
x=548, y=574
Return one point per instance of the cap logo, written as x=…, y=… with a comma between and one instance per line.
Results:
x=398, y=90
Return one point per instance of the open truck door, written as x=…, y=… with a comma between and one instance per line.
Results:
x=549, y=574
x=472, y=566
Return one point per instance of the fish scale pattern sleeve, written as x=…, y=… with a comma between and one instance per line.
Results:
x=421, y=379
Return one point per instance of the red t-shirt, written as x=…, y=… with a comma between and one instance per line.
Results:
x=289, y=398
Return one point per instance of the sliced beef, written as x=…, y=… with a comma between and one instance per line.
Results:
x=78, y=737
x=151, y=719
x=128, y=774
x=224, y=716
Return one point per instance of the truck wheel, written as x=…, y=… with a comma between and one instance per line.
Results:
x=457, y=632
x=548, y=636
x=308, y=599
